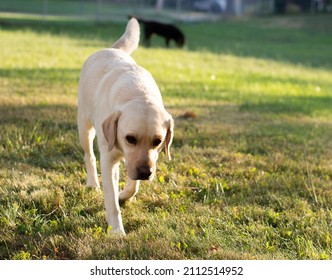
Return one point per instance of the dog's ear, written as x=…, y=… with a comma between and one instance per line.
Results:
x=169, y=138
x=110, y=128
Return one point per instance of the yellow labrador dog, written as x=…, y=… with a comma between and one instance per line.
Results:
x=120, y=102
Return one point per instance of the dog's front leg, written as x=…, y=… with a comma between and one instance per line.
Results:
x=110, y=180
x=130, y=190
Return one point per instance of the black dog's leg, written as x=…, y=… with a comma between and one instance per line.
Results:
x=147, y=38
x=147, y=34
x=167, y=42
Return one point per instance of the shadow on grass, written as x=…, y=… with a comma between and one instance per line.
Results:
x=80, y=30
x=266, y=38
x=304, y=105
x=59, y=75
x=44, y=136
x=256, y=129
x=259, y=102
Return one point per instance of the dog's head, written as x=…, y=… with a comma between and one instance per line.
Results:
x=140, y=134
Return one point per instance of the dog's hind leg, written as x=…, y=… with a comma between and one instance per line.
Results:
x=147, y=37
x=86, y=135
x=130, y=190
x=167, y=42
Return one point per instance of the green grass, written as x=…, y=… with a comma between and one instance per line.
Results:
x=250, y=176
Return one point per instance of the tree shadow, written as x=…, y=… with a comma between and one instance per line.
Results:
x=290, y=105
x=81, y=30
x=43, y=136
x=257, y=128
x=301, y=40
x=308, y=44
x=57, y=75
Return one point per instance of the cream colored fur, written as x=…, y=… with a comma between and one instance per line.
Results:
x=120, y=102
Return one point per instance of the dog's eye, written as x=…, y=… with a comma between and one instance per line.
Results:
x=131, y=139
x=156, y=142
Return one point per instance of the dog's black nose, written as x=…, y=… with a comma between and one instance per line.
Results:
x=144, y=172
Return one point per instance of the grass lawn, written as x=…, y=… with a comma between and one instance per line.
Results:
x=251, y=174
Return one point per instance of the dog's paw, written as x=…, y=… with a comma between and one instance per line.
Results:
x=126, y=195
x=117, y=231
x=93, y=182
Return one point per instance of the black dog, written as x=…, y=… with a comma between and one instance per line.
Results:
x=168, y=31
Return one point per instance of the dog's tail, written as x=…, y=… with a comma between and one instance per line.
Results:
x=130, y=39
x=140, y=20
